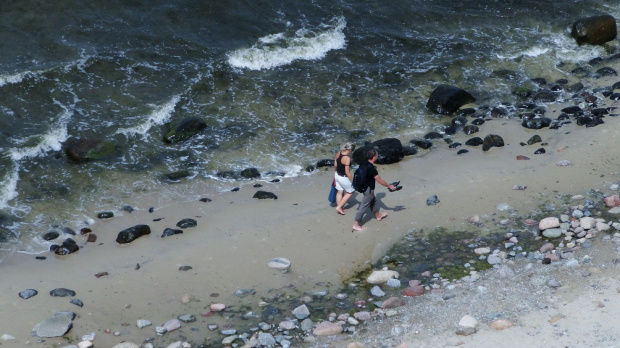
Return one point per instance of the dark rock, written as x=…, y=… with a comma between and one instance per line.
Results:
x=432, y=200
x=573, y=110
x=470, y=129
x=536, y=122
x=67, y=230
x=325, y=163
x=433, y=135
x=178, y=175
x=127, y=208
x=390, y=151
x=235, y=189
x=584, y=120
x=91, y=238
x=475, y=141
x=450, y=130
x=227, y=174
x=539, y=81
x=606, y=71
x=446, y=99
x=615, y=85
x=82, y=150
x=250, y=173
x=522, y=92
x=595, y=61
x=545, y=96
x=77, y=302
x=28, y=293
x=492, y=140
x=599, y=112
x=105, y=215
x=594, y=30
x=499, y=111
x=62, y=292
x=268, y=312
x=184, y=129
x=615, y=96
x=257, y=185
x=409, y=150
x=423, y=144
x=595, y=122
x=557, y=88
x=462, y=151
x=51, y=235
x=187, y=223
x=506, y=74
x=132, y=233
x=540, y=151
x=562, y=81
x=205, y=200
x=67, y=247
x=185, y=268
x=539, y=110
x=170, y=232
x=151, y=209
x=455, y=145
x=467, y=112
x=459, y=121
x=264, y=195
x=478, y=121
x=575, y=87
x=534, y=139
x=563, y=117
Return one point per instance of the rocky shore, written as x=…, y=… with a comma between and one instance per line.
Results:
x=489, y=233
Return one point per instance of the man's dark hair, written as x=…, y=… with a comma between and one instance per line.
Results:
x=371, y=153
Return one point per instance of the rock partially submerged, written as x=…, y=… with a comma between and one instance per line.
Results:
x=594, y=30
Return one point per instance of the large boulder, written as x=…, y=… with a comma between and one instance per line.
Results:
x=132, y=233
x=447, y=99
x=184, y=129
x=82, y=150
x=390, y=151
x=594, y=30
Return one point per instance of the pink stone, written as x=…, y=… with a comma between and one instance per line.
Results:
x=612, y=201
x=392, y=302
x=501, y=324
x=326, y=328
x=413, y=291
x=552, y=257
x=530, y=222
x=217, y=307
x=522, y=158
x=549, y=222
x=546, y=247
x=363, y=316
x=414, y=282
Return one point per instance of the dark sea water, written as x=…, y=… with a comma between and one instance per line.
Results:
x=279, y=84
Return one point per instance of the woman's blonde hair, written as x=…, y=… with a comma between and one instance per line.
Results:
x=348, y=146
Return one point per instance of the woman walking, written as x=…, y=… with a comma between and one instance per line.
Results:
x=343, y=176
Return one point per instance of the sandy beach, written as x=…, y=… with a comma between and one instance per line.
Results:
x=238, y=235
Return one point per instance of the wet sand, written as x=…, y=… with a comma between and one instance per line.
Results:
x=237, y=235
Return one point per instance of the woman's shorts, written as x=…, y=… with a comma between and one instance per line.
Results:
x=343, y=183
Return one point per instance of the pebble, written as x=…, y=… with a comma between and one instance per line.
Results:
x=326, y=328
x=548, y=222
x=7, y=337
x=501, y=324
x=143, y=323
x=217, y=307
x=377, y=292
x=381, y=277
x=301, y=312
x=392, y=302
x=172, y=325
x=280, y=263
x=28, y=293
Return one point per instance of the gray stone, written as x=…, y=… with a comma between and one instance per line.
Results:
x=187, y=318
x=393, y=283
x=301, y=312
x=28, y=293
x=62, y=292
x=494, y=259
x=143, y=323
x=552, y=233
x=77, y=302
x=266, y=339
x=279, y=263
x=306, y=325
x=377, y=292
x=56, y=326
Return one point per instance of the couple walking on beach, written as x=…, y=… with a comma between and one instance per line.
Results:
x=344, y=178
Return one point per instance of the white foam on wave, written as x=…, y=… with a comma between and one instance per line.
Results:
x=15, y=78
x=530, y=52
x=279, y=49
x=159, y=116
x=8, y=187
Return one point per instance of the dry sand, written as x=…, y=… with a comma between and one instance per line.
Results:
x=237, y=235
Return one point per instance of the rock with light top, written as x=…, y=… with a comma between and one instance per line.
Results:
x=126, y=345
x=601, y=226
x=552, y=233
x=468, y=321
x=482, y=251
x=362, y=316
x=279, y=263
x=85, y=344
x=501, y=324
x=172, y=325
x=301, y=312
x=546, y=247
x=7, y=337
x=287, y=325
x=143, y=323
x=217, y=307
x=326, y=328
x=549, y=222
x=179, y=344
x=381, y=276
x=587, y=222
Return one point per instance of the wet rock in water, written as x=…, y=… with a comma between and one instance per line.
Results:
x=501, y=324
x=470, y=129
x=264, y=195
x=595, y=30
x=187, y=223
x=540, y=151
x=536, y=122
x=62, y=292
x=475, y=141
x=105, y=215
x=446, y=99
x=51, y=235
x=492, y=140
x=432, y=200
x=67, y=247
x=56, y=326
x=381, y=276
x=423, y=144
x=455, y=145
x=250, y=173
x=462, y=151
x=534, y=139
x=184, y=129
x=28, y=293
x=409, y=150
x=478, y=122
x=170, y=232
x=392, y=302
x=279, y=263
x=390, y=151
x=82, y=150
x=127, y=208
x=326, y=328
x=235, y=189
x=132, y=233
x=77, y=302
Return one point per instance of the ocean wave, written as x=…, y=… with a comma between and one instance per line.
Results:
x=159, y=116
x=281, y=49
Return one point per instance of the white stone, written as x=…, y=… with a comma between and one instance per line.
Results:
x=614, y=210
x=143, y=323
x=587, y=222
x=482, y=251
x=382, y=276
x=503, y=207
x=228, y=340
x=89, y=337
x=279, y=263
x=352, y=321
x=549, y=222
x=468, y=321
x=85, y=344
x=172, y=325
x=7, y=337
x=126, y=345
x=601, y=226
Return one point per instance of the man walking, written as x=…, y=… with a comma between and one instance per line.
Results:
x=369, y=202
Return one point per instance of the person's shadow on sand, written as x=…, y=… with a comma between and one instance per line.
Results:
x=353, y=204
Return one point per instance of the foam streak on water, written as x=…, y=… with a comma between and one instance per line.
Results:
x=277, y=49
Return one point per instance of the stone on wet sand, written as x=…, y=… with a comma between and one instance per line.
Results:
x=56, y=326
x=130, y=234
x=62, y=292
x=217, y=307
x=327, y=328
x=413, y=291
x=468, y=321
x=549, y=222
x=362, y=316
x=501, y=324
x=482, y=251
x=552, y=232
x=143, y=323
x=279, y=263
x=546, y=247
x=126, y=345
x=381, y=276
x=28, y=293
x=392, y=302
x=172, y=325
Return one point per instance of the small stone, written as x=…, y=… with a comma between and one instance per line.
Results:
x=392, y=302
x=413, y=291
x=187, y=318
x=7, y=337
x=377, y=292
x=143, y=323
x=468, y=331
x=468, y=321
x=301, y=312
x=382, y=276
x=187, y=298
x=279, y=263
x=548, y=222
x=217, y=307
x=62, y=292
x=482, y=251
x=28, y=293
x=501, y=324
x=172, y=325
x=326, y=328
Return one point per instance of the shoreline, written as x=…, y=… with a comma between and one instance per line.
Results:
x=237, y=235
